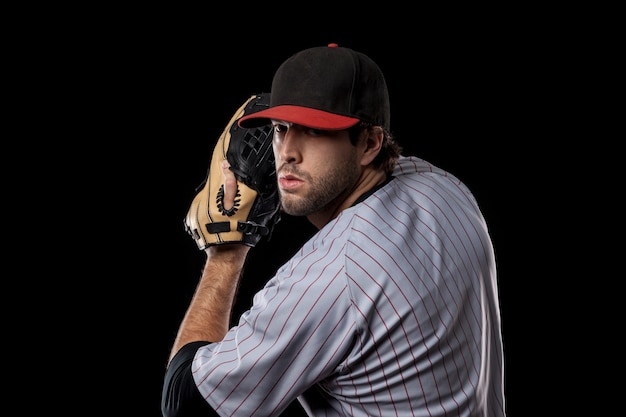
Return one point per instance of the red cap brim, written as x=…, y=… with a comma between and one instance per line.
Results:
x=316, y=119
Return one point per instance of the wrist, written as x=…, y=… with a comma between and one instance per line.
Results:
x=229, y=251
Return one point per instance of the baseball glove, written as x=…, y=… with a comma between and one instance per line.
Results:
x=257, y=206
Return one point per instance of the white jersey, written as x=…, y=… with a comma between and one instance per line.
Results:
x=391, y=309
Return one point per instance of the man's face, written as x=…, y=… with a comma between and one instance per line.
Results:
x=316, y=169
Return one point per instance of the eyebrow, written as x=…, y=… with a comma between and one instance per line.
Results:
x=282, y=122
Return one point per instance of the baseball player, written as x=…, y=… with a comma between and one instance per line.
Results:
x=390, y=309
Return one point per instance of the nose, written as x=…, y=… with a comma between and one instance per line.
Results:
x=287, y=149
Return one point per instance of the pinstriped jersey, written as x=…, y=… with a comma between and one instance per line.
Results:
x=391, y=309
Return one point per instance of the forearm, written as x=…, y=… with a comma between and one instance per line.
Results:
x=208, y=315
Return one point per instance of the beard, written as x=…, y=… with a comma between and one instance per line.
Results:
x=325, y=191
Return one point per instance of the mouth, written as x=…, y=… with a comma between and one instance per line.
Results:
x=289, y=182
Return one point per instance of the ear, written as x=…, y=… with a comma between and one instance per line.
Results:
x=373, y=143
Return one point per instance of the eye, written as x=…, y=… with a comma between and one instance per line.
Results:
x=278, y=128
x=316, y=132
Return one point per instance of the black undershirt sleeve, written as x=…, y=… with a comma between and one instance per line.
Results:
x=180, y=396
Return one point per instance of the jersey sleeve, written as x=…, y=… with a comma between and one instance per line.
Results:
x=298, y=331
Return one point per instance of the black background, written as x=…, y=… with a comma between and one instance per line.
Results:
x=133, y=105
x=452, y=103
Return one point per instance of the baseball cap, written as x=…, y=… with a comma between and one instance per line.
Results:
x=327, y=87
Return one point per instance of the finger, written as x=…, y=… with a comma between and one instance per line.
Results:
x=230, y=185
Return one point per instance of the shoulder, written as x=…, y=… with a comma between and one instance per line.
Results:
x=408, y=165
x=423, y=181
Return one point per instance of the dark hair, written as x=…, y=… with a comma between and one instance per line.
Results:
x=390, y=151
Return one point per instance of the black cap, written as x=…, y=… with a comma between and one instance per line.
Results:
x=326, y=87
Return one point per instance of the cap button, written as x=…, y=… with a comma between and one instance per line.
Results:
x=332, y=45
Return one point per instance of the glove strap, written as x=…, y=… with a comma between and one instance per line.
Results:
x=251, y=228
x=218, y=227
